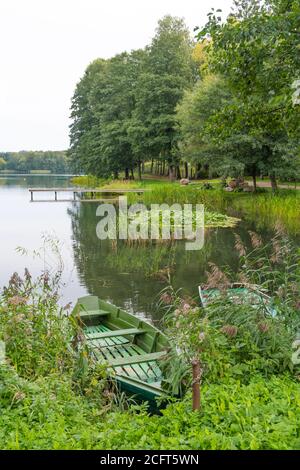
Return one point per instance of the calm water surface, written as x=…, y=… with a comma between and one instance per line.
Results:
x=128, y=276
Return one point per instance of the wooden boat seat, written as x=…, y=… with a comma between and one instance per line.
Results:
x=93, y=313
x=125, y=361
x=110, y=334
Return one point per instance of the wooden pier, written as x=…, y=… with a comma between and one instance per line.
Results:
x=79, y=192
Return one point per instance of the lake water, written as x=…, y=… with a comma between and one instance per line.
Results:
x=128, y=276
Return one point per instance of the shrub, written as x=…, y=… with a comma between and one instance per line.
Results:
x=46, y=414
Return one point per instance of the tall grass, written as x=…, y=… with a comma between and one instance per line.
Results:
x=175, y=193
x=234, y=336
x=87, y=181
x=270, y=210
x=265, y=209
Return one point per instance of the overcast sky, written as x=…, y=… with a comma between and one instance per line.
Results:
x=46, y=46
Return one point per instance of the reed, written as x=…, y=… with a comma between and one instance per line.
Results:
x=269, y=210
x=171, y=193
x=265, y=209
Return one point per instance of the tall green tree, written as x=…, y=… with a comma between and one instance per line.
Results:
x=124, y=109
x=2, y=163
x=84, y=131
x=102, y=107
x=114, y=108
x=256, y=51
x=198, y=106
x=168, y=70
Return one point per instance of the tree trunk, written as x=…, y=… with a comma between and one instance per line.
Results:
x=116, y=175
x=132, y=174
x=139, y=170
x=163, y=168
x=151, y=170
x=186, y=170
x=273, y=181
x=171, y=172
x=196, y=384
x=178, y=173
x=126, y=171
x=254, y=178
x=206, y=169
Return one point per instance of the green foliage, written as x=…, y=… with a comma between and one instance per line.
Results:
x=268, y=210
x=25, y=162
x=2, y=163
x=150, y=263
x=110, y=129
x=38, y=336
x=263, y=414
x=265, y=209
x=240, y=339
x=88, y=181
x=255, y=52
x=46, y=413
x=55, y=397
x=146, y=219
x=175, y=193
x=168, y=70
x=228, y=105
x=233, y=341
x=208, y=97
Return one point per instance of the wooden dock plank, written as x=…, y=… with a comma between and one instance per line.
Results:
x=84, y=190
x=80, y=192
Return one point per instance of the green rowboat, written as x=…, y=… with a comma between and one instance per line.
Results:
x=131, y=347
x=238, y=293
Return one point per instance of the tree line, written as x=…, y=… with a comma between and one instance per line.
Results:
x=223, y=103
x=26, y=161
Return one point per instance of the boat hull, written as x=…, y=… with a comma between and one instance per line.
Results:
x=131, y=347
x=238, y=293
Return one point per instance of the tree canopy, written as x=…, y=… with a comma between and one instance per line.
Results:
x=123, y=109
x=227, y=104
x=256, y=51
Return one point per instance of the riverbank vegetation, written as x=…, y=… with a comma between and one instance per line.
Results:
x=265, y=209
x=53, y=396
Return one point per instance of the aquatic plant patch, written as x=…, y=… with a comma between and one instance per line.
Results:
x=159, y=222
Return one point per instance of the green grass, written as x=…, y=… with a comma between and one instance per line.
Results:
x=171, y=193
x=87, y=181
x=268, y=210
